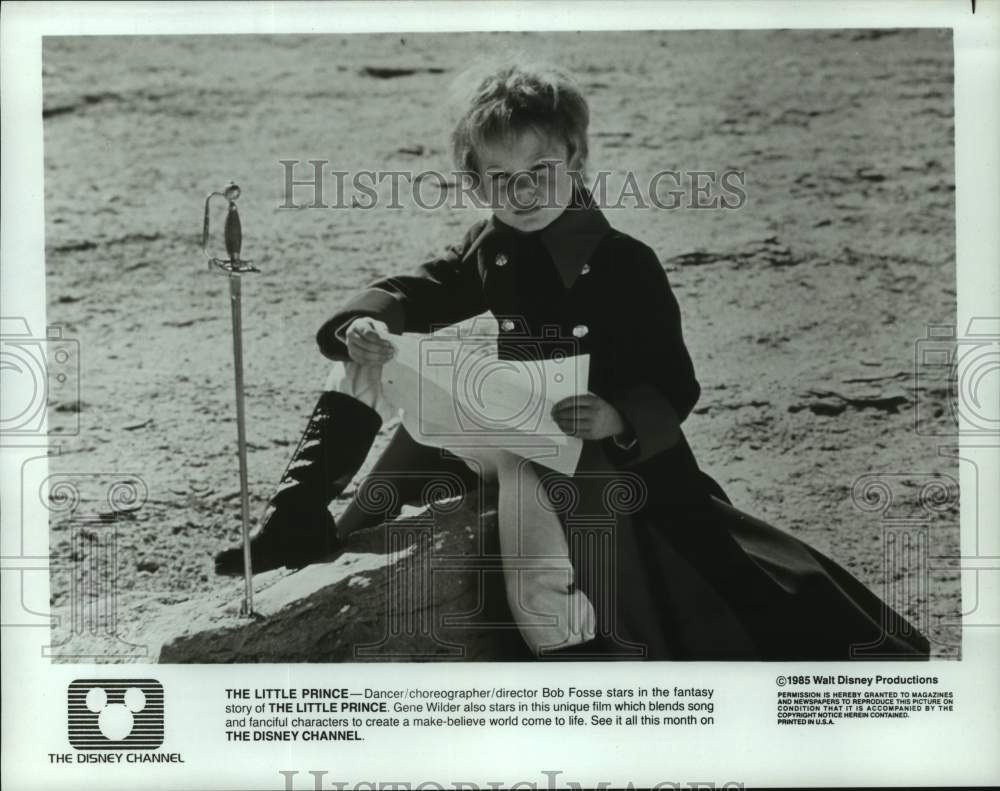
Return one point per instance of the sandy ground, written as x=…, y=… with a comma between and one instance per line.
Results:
x=802, y=309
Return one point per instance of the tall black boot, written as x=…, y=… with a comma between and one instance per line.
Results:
x=297, y=528
x=408, y=467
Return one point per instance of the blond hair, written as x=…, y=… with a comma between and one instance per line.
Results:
x=513, y=98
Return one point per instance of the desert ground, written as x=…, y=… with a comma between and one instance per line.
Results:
x=802, y=309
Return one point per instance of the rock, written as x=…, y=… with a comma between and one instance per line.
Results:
x=755, y=252
x=694, y=258
x=870, y=174
x=74, y=247
x=70, y=407
x=412, y=589
x=830, y=403
x=392, y=72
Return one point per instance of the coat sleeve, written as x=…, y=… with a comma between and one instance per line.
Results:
x=442, y=291
x=660, y=388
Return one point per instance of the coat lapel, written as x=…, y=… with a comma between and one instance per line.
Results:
x=496, y=250
x=574, y=236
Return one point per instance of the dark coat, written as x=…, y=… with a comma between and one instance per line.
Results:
x=682, y=574
x=620, y=298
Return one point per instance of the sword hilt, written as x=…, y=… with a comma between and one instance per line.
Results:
x=233, y=234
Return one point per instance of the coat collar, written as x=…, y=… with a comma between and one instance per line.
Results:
x=570, y=239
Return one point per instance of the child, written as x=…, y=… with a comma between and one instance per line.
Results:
x=679, y=573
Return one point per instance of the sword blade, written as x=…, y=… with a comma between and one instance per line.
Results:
x=235, y=298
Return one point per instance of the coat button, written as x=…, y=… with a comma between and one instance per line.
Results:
x=580, y=331
x=506, y=325
x=501, y=260
x=585, y=270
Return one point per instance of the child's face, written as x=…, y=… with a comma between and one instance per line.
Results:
x=527, y=179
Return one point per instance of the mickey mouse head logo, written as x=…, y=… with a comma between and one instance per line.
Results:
x=115, y=720
x=124, y=713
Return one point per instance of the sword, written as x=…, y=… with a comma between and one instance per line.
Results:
x=236, y=267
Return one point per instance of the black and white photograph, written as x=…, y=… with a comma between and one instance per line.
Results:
x=743, y=248
x=585, y=378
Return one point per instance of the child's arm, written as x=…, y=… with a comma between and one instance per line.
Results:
x=442, y=291
x=659, y=388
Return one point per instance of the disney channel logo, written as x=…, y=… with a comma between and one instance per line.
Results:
x=115, y=714
x=115, y=720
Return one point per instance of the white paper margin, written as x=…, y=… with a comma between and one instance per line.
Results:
x=746, y=747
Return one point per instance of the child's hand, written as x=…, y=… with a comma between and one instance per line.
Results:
x=588, y=417
x=368, y=341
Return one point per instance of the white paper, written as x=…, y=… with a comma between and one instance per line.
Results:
x=456, y=393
